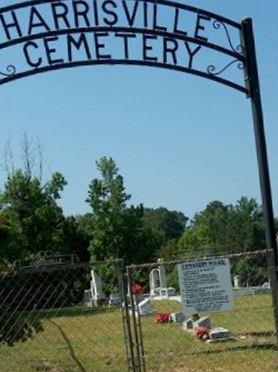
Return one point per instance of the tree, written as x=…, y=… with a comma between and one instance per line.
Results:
x=245, y=230
x=31, y=157
x=8, y=250
x=206, y=235
x=32, y=219
x=116, y=228
x=171, y=224
x=161, y=226
x=168, y=251
x=195, y=242
x=251, y=271
x=77, y=231
x=224, y=229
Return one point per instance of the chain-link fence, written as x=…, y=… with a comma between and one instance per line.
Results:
x=62, y=317
x=239, y=337
x=82, y=317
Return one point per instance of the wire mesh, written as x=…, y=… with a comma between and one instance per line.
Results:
x=62, y=318
x=168, y=344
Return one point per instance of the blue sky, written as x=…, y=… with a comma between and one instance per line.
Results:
x=178, y=140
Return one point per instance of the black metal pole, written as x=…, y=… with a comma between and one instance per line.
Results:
x=138, y=365
x=253, y=86
x=125, y=315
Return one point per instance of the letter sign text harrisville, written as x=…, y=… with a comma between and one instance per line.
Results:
x=206, y=286
x=42, y=35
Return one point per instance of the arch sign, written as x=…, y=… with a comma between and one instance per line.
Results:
x=43, y=35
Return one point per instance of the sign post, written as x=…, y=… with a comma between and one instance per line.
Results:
x=253, y=86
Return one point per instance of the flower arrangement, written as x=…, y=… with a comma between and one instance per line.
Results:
x=202, y=332
x=137, y=289
x=162, y=317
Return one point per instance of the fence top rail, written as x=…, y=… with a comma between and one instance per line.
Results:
x=179, y=261
x=59, y=267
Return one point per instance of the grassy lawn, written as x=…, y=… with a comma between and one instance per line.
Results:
x=71, y=340
x=92, y=340
x=251, y=323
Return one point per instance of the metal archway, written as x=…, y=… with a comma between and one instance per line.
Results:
x=87, y=28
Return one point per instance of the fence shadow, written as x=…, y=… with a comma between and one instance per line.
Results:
x=266, y=346
x=69, y=345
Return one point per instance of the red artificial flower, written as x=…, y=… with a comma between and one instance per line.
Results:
x=162, y=317
x=201, y=332
x=137, y=289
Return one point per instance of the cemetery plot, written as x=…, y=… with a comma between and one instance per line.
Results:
x=167, y=345
x=239, y=335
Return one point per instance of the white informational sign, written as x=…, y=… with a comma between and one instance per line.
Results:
x=206, y=286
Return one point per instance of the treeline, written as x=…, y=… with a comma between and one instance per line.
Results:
x=31, y=221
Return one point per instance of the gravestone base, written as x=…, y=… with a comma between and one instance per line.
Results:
x=91, y=300
x=219, y=334
x=114, y=300
x=177, y=317
x=195, y=321
x=144, y=308
x=167, y=292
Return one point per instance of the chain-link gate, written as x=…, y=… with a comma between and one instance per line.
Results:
x=64, y=317
x=164, y=339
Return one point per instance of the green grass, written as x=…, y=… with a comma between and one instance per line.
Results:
x=253, y=349
x=79, y=339
x=71, y=340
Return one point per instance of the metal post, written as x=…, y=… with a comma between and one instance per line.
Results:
x=125, y=316
x=253, y=86
x=138, y=365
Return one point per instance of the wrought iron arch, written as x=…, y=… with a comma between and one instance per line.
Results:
x=172, y=33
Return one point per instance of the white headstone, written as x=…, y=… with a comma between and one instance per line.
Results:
x=158, y=281
x=154, y=282
x=162, y=273
x=236, y=281
x=96, y=287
